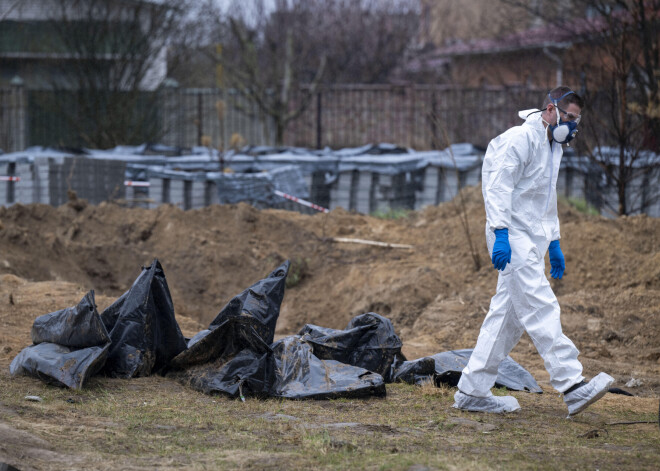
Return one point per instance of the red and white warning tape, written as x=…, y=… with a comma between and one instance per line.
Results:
x=9, y=178
x=309, y=204
x=136, y=183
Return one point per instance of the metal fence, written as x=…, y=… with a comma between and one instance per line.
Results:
x=417, y=116
x=186, y=118
x=211, y=116
x=12, y=119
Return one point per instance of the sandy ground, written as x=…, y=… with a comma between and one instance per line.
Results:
x=434, y=293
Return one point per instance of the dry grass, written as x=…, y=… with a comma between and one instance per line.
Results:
x=155, y=423
x=428, y=388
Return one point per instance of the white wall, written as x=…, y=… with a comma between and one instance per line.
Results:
x=43, y=10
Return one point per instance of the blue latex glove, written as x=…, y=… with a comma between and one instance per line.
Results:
x=501, y=249
x=557, y=264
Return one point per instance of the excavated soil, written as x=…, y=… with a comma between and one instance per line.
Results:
x=433, y=293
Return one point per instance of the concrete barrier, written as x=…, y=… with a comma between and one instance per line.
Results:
x=361, y=182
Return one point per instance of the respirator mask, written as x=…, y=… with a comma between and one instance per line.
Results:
x=564, y=131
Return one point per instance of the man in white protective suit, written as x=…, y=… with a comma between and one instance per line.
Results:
x=519, y=185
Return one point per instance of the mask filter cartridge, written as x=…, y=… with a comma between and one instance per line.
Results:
x=564, y=131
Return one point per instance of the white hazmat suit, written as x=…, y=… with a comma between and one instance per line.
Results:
x=519, y=178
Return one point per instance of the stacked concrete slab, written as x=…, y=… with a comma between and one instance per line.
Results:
x=432, y=187
x=571, y=183
x=25, y=187
x=210, y=193
x=367, y=180
x=158, y=191
x=439, y=185
x=639, y=196
x=366, y=192
x=137, y=196
x=198, y=194
x=177, y=193
x=341, y=190
x=383, y=192
x=94, y=180
x=6, y=187
x=187, y=190
x=48, y=179
x=471, y=177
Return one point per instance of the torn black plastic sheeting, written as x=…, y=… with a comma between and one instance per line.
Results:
x=246, y=374
x=144, y=333
x=302, y=375
x=233, y=356
x=369, y=341
x=70, y=346
x=247, y=321
x=449, y=366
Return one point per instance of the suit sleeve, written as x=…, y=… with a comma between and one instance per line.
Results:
x=503, y=167
x=556, y=235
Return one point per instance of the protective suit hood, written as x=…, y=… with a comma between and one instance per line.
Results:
x=530, y=113
x=533, y=117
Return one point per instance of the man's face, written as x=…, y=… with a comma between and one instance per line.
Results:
x=571, y=112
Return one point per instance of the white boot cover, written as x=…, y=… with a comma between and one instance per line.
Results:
x=494, y=404
x=586, y=395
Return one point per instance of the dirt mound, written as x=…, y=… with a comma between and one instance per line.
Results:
x=434, y=295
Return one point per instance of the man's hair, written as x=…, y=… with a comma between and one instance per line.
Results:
x=558, y=92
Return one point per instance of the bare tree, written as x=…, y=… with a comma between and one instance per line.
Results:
x=622, y=87
x=263, y=56
x=365, y=40
x=446, y=22
x=278, y=54
x=618, y=62
x=113, y=61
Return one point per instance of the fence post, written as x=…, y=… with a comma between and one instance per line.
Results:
x=223, y=97
x=319, y=120
x=434, y=120
x=18, y=112
x=411, y=132
x=200, y=118
x=172, y=110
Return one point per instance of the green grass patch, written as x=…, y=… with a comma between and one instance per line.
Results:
x=581, y=205
x=392, y=214
x=157, y=423
x=298, y=271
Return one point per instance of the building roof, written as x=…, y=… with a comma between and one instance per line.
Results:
x=547, y=36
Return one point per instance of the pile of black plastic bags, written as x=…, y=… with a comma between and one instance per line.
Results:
x=236, y=355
